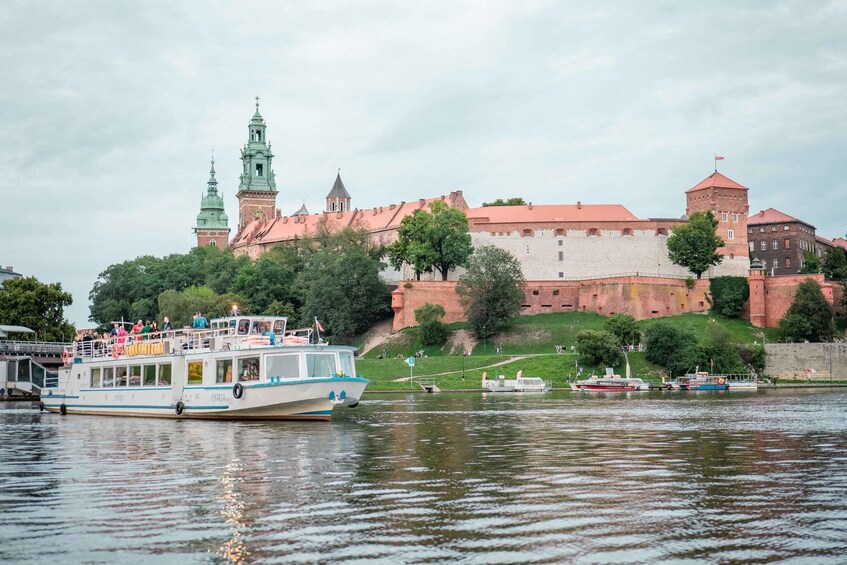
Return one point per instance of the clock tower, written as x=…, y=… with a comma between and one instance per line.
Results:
x=257, y=187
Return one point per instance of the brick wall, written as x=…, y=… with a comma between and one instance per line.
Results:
x=768, y=309
x=206, y=237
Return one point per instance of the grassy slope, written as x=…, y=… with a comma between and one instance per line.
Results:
x=536, y=336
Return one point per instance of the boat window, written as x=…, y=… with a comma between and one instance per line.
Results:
x=149, y=375
x=120, y=376
x=262, y=328
x=284, y=366
x=243, y=326
x=223, y=373
x=165, y=375
x=248, y=369
x=135, y=375
x=256, y=327
x=346, y=358
x=320, y=364
x=108, y=376
x=195, y=372
x=279, y=326
x=95, y=377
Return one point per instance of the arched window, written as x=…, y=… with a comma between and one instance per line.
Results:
x=561, y=232
x=213, y=243
x=662, y=231
x=332, y=207
x=528, y=233
x=593, y=231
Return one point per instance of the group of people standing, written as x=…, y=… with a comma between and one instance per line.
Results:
x=140, y=330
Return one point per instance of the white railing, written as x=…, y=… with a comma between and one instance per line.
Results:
x=28, y=347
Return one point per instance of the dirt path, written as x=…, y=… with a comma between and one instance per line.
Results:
x=462, y=340
x=497, y=364
x=380, y=332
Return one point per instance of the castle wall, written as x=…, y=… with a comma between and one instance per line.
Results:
x=791, y=360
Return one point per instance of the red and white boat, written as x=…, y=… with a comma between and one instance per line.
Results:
x=614, y=383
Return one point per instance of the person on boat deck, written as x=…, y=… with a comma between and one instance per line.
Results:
x=114, y=331
x=265, y=330
x=167, y=326
x=146, y=330
x=136, y=329
x=200, y=322
x=121, y=335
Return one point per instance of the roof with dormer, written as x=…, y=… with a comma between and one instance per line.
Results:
x=716, y=180
x=773, y=216
x=338, y=190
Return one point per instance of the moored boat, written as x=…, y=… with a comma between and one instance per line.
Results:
x=243, y=367
x=614, y=383
x=702, y=381
x=518, y=384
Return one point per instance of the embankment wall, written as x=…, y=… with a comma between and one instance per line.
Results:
x=791, y=361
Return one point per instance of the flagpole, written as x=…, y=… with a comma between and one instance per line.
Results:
x=716, y=162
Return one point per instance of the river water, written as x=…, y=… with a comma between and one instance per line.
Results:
x=641, y=478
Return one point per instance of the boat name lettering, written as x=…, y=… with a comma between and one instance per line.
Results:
x=218, y=397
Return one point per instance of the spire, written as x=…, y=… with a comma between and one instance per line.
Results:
x=213, y=182
x=338, y=190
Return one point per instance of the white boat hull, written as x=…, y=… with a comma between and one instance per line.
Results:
x=301, y=399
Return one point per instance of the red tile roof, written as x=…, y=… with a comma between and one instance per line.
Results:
x=840, y=242
x=716, y=180
x=772, y=216
x=824, y=240
x=550, y=213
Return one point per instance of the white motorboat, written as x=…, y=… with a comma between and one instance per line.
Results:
x=518, y=384
x=243, y=367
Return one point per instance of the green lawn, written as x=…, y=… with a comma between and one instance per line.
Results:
x=740, y=330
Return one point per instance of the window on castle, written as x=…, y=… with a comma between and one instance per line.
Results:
x=332, y=207
x=561, y=233
x=730, y=234
x=213, y=243
x=593, y=231
x=626, y=231
x=752, y=245
x=561, y=275
x=787, y=262
x=787, y=244
x=786, y=228
x=260, y=171
x=774, y=244
x=735, y=218
x=561, y=243
x=725, y=217
x=776, y=263
x=662, y=231
x=341, y=207
x=561, y=255
x=527, y=233
x=763, y=245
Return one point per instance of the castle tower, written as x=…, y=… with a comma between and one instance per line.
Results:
x=212, y=222
x=757, y=303
x=727, y=200
x=257, y=187
x=338, y=199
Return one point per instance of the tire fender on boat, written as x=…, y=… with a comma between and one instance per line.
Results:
x=63, y=409
x=41, y=407
x=354, y=405
x=237, y=390
x=179, y=408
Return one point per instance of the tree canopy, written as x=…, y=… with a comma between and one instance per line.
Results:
x=38, y=306
x=492, y=290
x=810, y=317
x=694, y=245
x=432, y=330
x=514, y=201
x=811, y=264
x=598, y=348
x=437, y=238
x=729, y=295
x=834, y=266
x=624, y=327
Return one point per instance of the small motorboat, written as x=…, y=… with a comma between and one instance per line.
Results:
x=613, y=383
x=518, y=384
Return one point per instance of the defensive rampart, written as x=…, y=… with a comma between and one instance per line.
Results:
x=799, y=361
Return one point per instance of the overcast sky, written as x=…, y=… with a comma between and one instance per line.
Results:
x=109, y=111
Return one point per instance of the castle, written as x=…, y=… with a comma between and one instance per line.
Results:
x=575, y=257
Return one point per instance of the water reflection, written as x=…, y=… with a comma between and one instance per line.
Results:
x=645, y=477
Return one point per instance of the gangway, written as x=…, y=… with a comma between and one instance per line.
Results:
x=22, y=376
x=428, y=385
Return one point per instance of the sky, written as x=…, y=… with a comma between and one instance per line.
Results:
x=110, y=111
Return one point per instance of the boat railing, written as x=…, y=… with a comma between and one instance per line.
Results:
x=182, y=340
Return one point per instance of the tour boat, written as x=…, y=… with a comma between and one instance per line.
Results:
x=614, y=383
x=242, y=367
x=519, y=384
x=742, y=384
x=702, y=381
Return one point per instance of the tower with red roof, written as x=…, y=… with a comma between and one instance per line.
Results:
x=727, y=200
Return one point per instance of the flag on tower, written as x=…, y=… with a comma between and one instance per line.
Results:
x=718, y=158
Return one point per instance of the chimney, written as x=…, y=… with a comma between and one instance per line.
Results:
x=579, y=204
x=285, y=219
x=392, y=206
x=530, y=205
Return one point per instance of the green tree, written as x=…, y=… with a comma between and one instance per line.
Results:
x=834, y=266
x=180, y=307
x=598, y=347
x=343, y=290
x=624, y=327
x=811, y=264
x=514, y=201
x=38, y=306
x=435, y=239
x=429, y=318
x=721, y=350
x=810, y=317
x=492, y=290
x=270, y=279
x=729, y=295
x=753, y=357
x=694, y=245
x=662, y=342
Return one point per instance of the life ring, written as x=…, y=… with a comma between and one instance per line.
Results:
x=41, y=407
x=179, y=408
x=721, y=381
x=237, y=390
x=63, y=409
x=2, y=391
x=65, y=356
x=117, y=350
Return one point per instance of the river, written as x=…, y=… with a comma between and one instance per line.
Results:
x=640, y=478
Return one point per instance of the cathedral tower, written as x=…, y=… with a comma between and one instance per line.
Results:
x=212, y=222
x=257, y=187
x=338, y=199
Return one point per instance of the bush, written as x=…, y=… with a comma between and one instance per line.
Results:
x=432, y=330
x=598, y=347
x=623, y=327
x=753, y=357
x=662, y=342
x=729, y=295
x=810, y=316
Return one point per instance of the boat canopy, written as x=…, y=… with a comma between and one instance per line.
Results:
x=6, y=330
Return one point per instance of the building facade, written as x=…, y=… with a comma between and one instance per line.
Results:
x=7, y=273
x=779, y=241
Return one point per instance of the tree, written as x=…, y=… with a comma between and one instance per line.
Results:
x=434, y=239
x=722, y=353
x=834, y=266
x=623, y=327
x=432, y=330
x=343, y=290
x=811, y=264
x=694, y=245
x=492, y=290
x=729, y=295
x=514, y=201
x=37, y=306
x=662, y=342
x=598, y=347
x=753, y=357
x=809, y=318
x=180, y=307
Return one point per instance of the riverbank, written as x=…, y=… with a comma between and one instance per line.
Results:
x=787, y=386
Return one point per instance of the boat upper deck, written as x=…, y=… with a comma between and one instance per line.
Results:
x=224, y=334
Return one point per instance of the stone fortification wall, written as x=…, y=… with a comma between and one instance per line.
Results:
x=791, y=360
x=641, y=297
x=770, y=297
